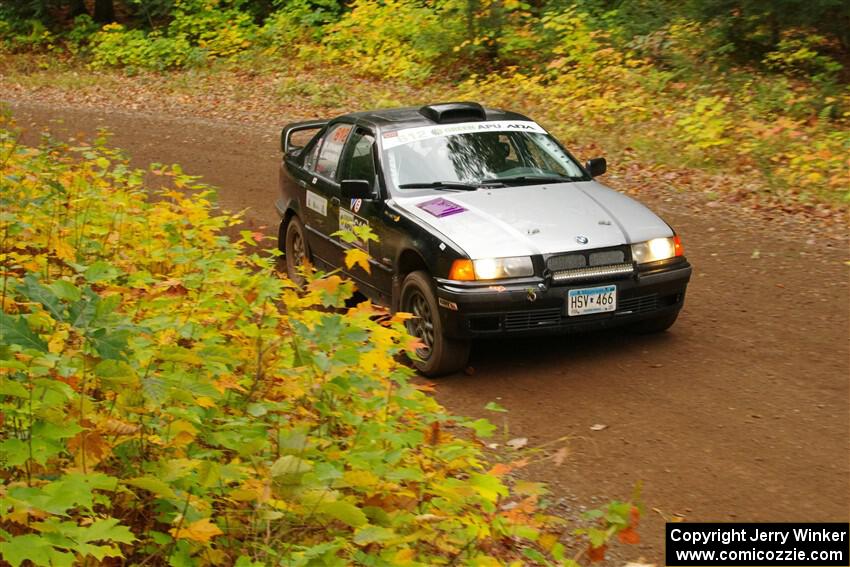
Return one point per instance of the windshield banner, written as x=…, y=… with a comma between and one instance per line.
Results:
x=408, y=135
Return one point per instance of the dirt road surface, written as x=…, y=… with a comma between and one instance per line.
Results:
x=739, y=413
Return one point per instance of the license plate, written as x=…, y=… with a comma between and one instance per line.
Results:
x=591, y=300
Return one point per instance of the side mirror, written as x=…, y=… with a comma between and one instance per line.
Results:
x=596, y=166
x=355, y=189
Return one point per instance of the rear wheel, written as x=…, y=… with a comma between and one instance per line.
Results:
x=439, y=354
x=657, y=324
x=296, y=252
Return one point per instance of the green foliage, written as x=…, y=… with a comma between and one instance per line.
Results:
x=706, y=126
x=801, y=56
x=166, y=397
x=199, y=30
x=395, y=38
x=755, y=27
x=116, y=46
x=24, y=35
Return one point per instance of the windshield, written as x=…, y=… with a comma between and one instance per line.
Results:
x=437, y=157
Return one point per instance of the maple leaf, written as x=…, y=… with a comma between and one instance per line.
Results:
x=401, y=316
x=359, y=257
x=329, y=284
x=433, y=434
x=500, y=469
x=89, y=447
x=114, y=426
x=201, y=531
x=629, y=535
x=596, y=553
x=634, y=516
x=64, y=251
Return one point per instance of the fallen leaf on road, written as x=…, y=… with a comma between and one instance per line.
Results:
x=560, y=456
x=517, y=443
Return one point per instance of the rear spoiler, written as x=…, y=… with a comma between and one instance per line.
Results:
x=286, y=144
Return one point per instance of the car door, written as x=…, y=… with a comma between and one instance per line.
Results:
x=358, y=163
x=322, y=194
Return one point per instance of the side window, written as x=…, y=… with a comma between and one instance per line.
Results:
x=310, y=158
x=360, y=163
x=331, y=150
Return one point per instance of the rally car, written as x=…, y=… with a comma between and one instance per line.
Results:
x=487, y=226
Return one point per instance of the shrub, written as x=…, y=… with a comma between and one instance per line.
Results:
x=25, y=36
x=395, y=38
x=297, y=22
x=78, y=37
x=706, y=125
x=213, y=26
x=116, y=46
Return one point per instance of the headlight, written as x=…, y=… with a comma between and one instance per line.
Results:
x=657, y=249
x=491, y=268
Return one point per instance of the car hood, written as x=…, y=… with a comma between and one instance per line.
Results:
x=536, y=219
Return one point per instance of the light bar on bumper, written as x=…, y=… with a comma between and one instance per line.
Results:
x=594, y=272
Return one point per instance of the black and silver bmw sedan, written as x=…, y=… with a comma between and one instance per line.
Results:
x=487, y=226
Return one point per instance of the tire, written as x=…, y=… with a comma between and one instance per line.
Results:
x=296, y=251
x=657, y=324
x=441, y=355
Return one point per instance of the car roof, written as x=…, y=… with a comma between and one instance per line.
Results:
x=412, y=116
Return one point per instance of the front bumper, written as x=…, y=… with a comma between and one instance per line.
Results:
x=535, y=308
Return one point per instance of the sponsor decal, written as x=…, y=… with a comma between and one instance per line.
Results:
x=348, y=221
x=356, y=204
x=440, y=207
x=317, y=203
x=447, y=304
x=408, y=135
x=340, y=134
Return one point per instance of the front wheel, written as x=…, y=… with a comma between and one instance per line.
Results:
x=439, y=354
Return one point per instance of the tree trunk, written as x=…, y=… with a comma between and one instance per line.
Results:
x=78, y=8
x=104, y=11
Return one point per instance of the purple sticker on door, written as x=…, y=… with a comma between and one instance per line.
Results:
x=440, y=207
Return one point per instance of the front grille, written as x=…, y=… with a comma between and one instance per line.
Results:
x=607, y=257
x=575, y=260
x=566, y=262
x=528, y=320
x=593, y=273
x=635, y=305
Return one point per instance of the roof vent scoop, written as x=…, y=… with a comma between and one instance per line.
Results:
x=451, y=112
